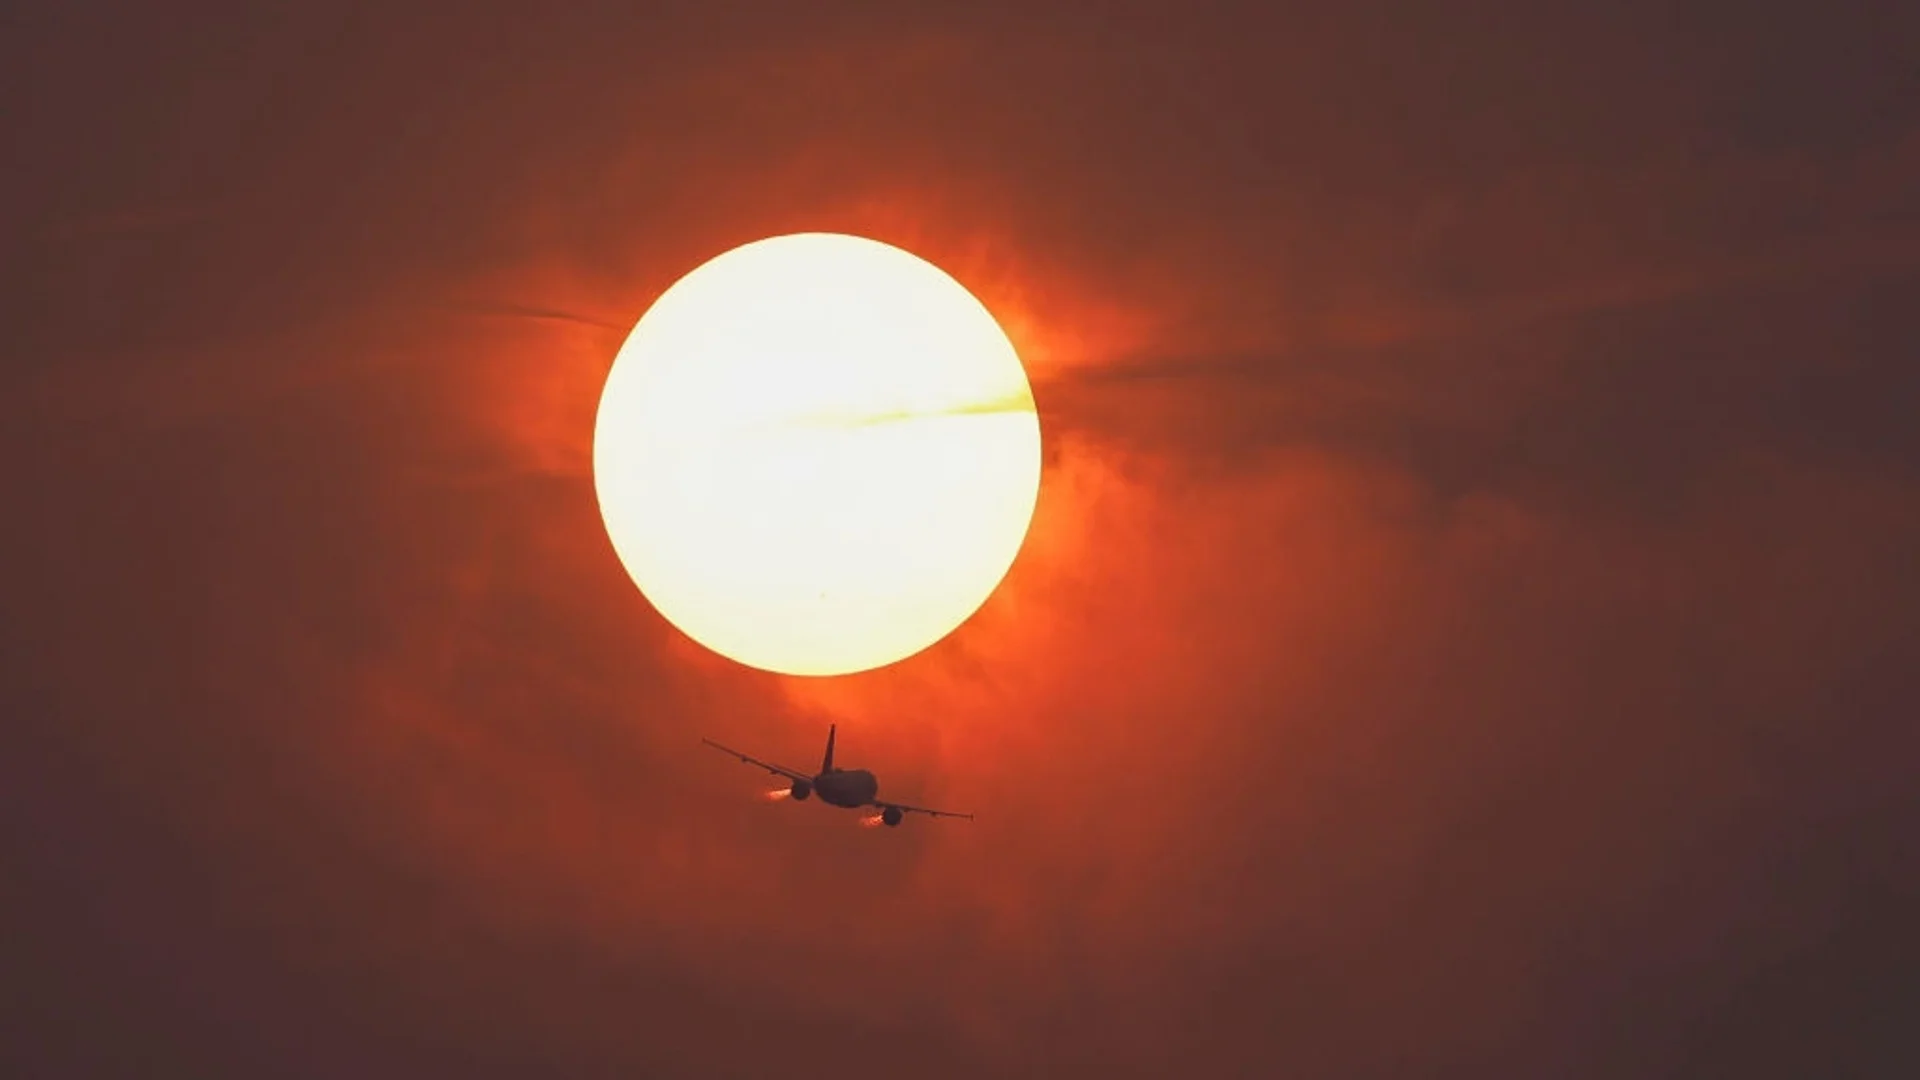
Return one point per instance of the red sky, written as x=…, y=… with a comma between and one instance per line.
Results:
x=1467, y=628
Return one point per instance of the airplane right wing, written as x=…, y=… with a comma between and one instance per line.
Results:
x=904, y=808
x=777, y=770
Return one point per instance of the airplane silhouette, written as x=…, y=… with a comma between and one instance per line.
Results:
x=850, y=789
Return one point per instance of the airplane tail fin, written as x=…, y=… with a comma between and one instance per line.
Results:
x=826, y=766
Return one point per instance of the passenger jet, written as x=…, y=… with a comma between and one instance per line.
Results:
x=851, y=789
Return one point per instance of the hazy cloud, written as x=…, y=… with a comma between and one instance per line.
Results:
x=1465, y=625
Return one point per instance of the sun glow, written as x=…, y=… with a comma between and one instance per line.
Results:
x=817, y=454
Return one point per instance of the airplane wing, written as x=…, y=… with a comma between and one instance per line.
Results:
x=903, y=807
x=777, y=770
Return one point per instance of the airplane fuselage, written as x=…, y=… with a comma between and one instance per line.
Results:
x=849, y=788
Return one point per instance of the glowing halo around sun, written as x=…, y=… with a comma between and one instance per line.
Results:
x=817, y=454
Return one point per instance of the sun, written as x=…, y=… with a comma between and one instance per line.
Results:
x=817, y=454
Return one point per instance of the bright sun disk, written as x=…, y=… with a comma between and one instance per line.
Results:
x=817, y=454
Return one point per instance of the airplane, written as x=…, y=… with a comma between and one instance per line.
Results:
x=850, y=789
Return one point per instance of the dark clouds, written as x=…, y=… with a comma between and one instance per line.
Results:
x=1467, y=625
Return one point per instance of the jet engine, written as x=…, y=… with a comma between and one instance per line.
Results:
x=801, y=789
x=891, y=815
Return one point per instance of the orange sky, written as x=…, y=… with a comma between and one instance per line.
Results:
x=1466, y=627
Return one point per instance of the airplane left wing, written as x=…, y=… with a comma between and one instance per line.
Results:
x=904, y=808
x=777, y=770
